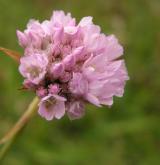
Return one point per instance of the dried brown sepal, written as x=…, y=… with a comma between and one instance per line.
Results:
x=118, y=58
x=11, y=53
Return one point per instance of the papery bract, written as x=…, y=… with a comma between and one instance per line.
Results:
x=76, y=110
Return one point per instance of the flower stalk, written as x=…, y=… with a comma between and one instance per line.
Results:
x=9, y=138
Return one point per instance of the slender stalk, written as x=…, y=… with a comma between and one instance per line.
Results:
x=9, y=138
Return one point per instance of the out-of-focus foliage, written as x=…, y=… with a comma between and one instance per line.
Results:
x=129, y=132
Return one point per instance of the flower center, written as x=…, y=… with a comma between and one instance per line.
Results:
x=34, y=71
x=50, y=102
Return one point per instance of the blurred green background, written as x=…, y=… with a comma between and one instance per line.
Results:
x=126, y=134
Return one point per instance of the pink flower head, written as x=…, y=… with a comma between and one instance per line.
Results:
x=69, y=64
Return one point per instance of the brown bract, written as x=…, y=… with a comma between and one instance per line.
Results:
x=11, y=53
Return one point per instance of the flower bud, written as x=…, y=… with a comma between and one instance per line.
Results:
x=28, y=84
x=23, y=41
x=78, y=53
x=69, y=62
x=57, y=70
x=41, y=92
x=35, y=40
x=53, y=89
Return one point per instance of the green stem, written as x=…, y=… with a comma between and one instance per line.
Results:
x=8, y=139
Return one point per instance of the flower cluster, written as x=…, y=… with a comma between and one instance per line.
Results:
x=68, y=64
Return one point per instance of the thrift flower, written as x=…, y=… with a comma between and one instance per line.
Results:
x=69, y=64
